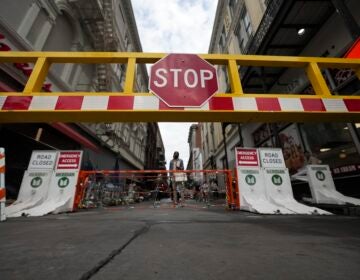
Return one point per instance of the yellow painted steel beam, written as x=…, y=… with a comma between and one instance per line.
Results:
x=148, y=94
x=317, y=80
x=172, y=116
x=130, y=75
x=37, y=77
x=28, y=111
x=357, y=72
x=234, y=78
x=218, y=59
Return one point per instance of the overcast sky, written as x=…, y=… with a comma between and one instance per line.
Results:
x=175, y=26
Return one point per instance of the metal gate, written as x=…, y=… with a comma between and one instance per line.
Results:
x=33, y=105
x=155, y=188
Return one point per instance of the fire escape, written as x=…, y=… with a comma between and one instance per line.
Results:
x=98, y=20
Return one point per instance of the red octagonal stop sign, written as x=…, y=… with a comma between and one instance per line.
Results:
x=183, y=80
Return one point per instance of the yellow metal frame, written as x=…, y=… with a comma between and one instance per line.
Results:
x=43, y=61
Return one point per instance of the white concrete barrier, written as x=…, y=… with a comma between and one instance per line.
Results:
x=47, y=191
x=252, y=191
x=323, y=188
x=33, y=192
x=60, y=197
x=279, y=191
x=251, y=185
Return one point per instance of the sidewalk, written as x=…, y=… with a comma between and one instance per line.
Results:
x=179, y=243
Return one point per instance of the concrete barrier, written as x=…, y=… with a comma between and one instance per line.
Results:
x=33, y=191
x=60, y=197
x=279, y=191
x=253, y=196
x=323, y=188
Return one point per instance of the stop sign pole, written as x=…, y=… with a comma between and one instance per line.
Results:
x=183, y=80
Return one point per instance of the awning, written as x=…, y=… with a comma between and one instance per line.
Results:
x=354, y=51
x=62, y=127
x=5, y=88
x=73, y=134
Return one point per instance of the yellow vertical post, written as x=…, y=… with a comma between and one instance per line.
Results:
x=38, y=75
x=234, y=77
x=130, y=75
x=317, y=80
x=357, y=71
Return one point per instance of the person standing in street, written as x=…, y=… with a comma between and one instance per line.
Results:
x=177, y=185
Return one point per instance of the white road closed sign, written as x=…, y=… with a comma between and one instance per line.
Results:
x=271, y=158
x=44, y=160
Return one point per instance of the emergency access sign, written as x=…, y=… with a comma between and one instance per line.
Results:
x=69, y=160
x=247, y=157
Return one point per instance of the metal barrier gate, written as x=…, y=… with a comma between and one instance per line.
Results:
x=33, y=105
x=202, y=188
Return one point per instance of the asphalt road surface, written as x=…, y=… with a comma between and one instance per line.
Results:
x=179, y=243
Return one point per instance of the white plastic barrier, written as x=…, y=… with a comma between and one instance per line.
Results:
x=323, y=188
x=2, y=185
x=60, y=197
x=33, y=192
x=253, y=195
x=279, y=191
x=62, y=189
x=47, y=191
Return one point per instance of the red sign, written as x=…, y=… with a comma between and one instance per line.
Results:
x=183, y=80
x=69, y=160
x=247, y=157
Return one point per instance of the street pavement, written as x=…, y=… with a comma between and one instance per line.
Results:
x=143, y=242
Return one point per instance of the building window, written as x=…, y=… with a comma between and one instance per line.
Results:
x=292, y=148
x=223, y=162
x=207, y=143
x=222, y=40
x=246, y=22
x=264, y=4
x=332, y=144
x=244, y=30
x=232, y=7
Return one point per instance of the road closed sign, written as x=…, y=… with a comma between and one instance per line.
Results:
x=44, y=160
x=247, y=157
x=69, y=160
x=271, y=158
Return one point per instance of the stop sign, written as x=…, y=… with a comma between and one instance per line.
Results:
x=183, y=80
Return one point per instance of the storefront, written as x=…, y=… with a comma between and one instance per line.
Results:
x=334, y=144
